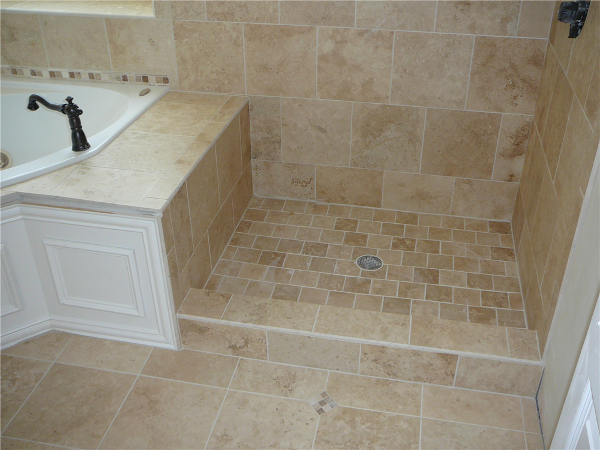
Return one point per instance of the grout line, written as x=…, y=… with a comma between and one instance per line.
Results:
x=317, y=65
x=244, y=51
x=44, y=40
x=519, y=17
x=222, y=403
x=108, y=43
x=39, y=442
x=437, y=5
x=497, y=147
x=523, y=416
x=470, y=70
x=456, y=372
x=392, y=68
x=355, y=12
x=124, y=400
x=316, y=317
x=359, y=357
x=423, y=141
x=421, y=417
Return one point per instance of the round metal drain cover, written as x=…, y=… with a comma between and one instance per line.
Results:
x=5, y=160
x=369, y=262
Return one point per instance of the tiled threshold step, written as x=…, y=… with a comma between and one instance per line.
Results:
x=452, y=353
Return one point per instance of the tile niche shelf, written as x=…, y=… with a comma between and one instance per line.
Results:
x=139, y=8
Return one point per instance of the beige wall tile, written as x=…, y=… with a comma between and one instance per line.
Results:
x=559, y=39
x=280, y=60
x=354, y=64
x=486, y=199
x=512, y=143
x=263, y=377
x=272, y=179
x=349, y=186
x=223, y=339
x=142, y=46
x=375, y=394
x=535, y=18
x=198, y=267
x=245, y=135
x=542, y=105
x=316, y=131
x=344, y=427
x=182, y=229
x=439, y=435
x=421, y=193
x=98, y=393
x=460, y=143
x=220, y=48
x=313, y=352
x=397, y=15
x=542, y=228
x=188, y=9
x=22, y=42
x=505, y=74
x=410, y=365
x=65, y=46
x=387, y=137
x=265, y=128
x=498, y=376
x=472, y=407
x=324, y=13
x=229, y=158
x=592, y=104
x=243, y=11
x=478, y=17
x=242, y=194
x=151, y=415
x=221, y=229
x=523, y=344
x=431, y=69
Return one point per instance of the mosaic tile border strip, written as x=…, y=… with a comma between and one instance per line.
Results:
x=322, y=403
x=82, y=75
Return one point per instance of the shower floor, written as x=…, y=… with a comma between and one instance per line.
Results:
x=438, y=266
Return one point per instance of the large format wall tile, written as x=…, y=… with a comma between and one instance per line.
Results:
x=338, y=13
x=242, y=11
x=22, y=42
x=478, y=17
x=420, y=193
x=431, y=69
x=535, y=19
x=265, y=128
x=316, y=131
x=281, y=60
x=486, y=199
x=354, y=64
x=396, y=15
x=287, y=180
x=349, y=186
x=219, y=47
x=512, y=144
x=387, y=137
x=187, y=10
x=505, y=74
x=460, y=143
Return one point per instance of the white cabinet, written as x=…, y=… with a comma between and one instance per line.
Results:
x=97, y=274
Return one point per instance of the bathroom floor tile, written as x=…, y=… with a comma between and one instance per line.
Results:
x=47, y=346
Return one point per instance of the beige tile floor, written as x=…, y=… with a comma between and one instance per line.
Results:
x=68, y=391
x=438, y=266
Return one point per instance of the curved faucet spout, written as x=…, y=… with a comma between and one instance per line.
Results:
x=72, y=111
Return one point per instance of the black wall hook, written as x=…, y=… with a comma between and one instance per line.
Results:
x=574, y=13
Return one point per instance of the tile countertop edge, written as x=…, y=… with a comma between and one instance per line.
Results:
x=10, y=198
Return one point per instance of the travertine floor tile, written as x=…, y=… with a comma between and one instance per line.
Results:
x=261, y=422
x=199, y=302
x=17, y=444
x=278, y=379
x=72, y=406
x=105, y=354
x=375, y=393
x=19, y=377
x=165, y=414
x=191, y=366
x=344, y=428
x=47, y=346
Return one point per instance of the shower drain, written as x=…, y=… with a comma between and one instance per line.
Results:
x=369, y=262
x=5, y=160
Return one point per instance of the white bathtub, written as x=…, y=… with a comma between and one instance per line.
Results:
x=39, y=141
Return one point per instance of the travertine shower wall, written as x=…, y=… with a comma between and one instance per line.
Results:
x=421, y=106
x=560, y=156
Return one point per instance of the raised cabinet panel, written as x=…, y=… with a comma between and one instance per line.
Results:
x=102, y=275
x=95, y=276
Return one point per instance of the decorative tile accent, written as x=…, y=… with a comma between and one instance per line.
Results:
x=322, y=403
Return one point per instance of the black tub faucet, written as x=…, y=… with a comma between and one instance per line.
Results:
x=72, y=111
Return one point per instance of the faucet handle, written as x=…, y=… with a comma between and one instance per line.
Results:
x=71, y=109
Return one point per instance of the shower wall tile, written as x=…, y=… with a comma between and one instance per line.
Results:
x=65, y=48
x=229, y=161
x=355, y=64
x=219, y=46
x=431, y=69
x=188, y=10
x=22, y=42
x=512, y=144
x=499, y=18
x=386, y=137
x=142, y=45
x=349, y=186
x=535, y=19
x=324, y=13
x=505, y=74
x=316, y=131
x=487, y=199
x=285, y=180
x=559, y=39
x=243, y=11
x=460, y=143
x=396, y=15
x=265, y=128
x=414, y=192
x=281, y=60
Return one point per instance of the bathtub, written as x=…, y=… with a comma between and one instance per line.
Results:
x=38, y=142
